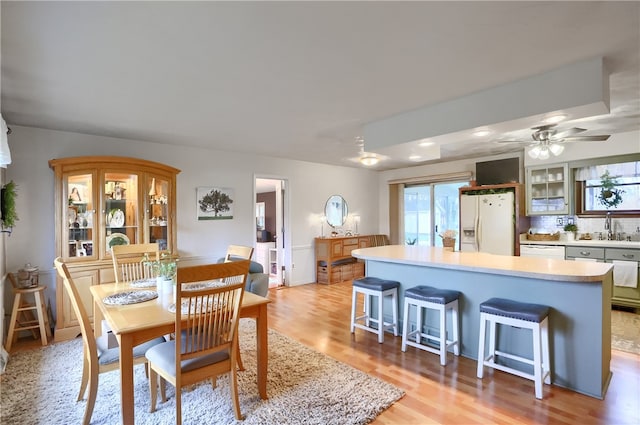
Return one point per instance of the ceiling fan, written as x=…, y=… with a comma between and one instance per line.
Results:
x=547, y=139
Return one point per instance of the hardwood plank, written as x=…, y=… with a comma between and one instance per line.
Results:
x=318, y=316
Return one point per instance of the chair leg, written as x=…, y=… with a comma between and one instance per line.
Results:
x=405, y=325
x=443, y=336
x=546, y=360
x=239, y=357
x=455, y=328
x=233, y=381
x=380, y=318
x=394, y=308
x=537, y=361
x=354, y=299
x=39, y=300
x=163, y=389
x=12, y=323
x=483, y=329
x=85, y=376
x=153, y=388
x=91, y=399
x=178, y=405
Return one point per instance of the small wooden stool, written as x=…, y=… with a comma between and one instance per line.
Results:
x=22, y=317
x=375, y=287
x=500, y=311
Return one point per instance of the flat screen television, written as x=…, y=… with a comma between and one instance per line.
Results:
x=498, y=171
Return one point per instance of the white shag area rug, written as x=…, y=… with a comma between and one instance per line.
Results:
x=40, y=386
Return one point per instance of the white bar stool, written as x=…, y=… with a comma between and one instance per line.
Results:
x=521, y=315
x=380, y=288
x=442, y=300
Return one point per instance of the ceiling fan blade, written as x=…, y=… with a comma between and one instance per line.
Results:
x=601, y=138
x=514, y=141
x=568, y=132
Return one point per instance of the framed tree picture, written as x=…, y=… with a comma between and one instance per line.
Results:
x=214, y=203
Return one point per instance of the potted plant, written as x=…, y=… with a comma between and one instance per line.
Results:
x=164, y=270
x=610, y=196
x=571, y=230
x=8, y=213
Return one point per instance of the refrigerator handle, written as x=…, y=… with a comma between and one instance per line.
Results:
x=478, y=230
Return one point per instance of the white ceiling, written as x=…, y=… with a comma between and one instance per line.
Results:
x=298, y=80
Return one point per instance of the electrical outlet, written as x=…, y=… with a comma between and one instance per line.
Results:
x=559, y=221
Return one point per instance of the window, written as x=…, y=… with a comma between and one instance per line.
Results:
x=589, y=189
x=429, y=210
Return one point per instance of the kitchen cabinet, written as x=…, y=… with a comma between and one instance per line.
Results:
x=334, y=262
x=102, y=201
x=548, y=190
x=620, y=295
x=623, y=295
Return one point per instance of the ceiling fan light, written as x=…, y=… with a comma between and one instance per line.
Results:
x=544, y=153
x=556, y=148
x=556, y=118
x=369, y=160
x=534, y=152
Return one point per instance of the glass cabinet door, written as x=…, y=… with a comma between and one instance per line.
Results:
x=121, y=210
x=158, y=216
x=80, y=221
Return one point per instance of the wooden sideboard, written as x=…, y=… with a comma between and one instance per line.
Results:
x=334, y=262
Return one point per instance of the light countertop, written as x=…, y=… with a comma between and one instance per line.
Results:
x=539, y=268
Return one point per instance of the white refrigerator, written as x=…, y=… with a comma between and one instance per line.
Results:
x=487, y=223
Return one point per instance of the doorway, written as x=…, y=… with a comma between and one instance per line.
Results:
x=429, y=209
x=271, y=228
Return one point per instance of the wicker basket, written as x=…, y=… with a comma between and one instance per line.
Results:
x=544, y=237
x=449, y=244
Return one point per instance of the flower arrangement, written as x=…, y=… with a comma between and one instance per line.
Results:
x=609, y=195
x=165, y=267
x=449, y=234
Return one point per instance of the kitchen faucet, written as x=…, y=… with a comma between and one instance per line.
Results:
x=607, y=226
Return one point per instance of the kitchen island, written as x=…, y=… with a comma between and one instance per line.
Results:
x=579, y=294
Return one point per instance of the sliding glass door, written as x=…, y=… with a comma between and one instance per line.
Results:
x=430, y=209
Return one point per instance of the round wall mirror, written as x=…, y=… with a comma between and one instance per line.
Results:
x=336, y=210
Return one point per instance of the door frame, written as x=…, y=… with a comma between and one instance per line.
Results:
x=283, y=243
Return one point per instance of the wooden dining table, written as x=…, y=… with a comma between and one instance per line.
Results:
x=136, y=323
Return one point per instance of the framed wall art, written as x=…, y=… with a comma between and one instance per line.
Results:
x=214, y=203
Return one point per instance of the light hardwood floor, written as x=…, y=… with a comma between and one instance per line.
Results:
x=318, y=316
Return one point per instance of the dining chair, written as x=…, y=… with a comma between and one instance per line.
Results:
x=207, y=320
x=97, y=357
x=236, y=252
x=128, y=264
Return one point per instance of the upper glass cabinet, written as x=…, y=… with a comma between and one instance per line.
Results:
x=107, y=201
x=548, y=190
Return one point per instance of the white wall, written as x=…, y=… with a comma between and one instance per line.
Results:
x=310, y=185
